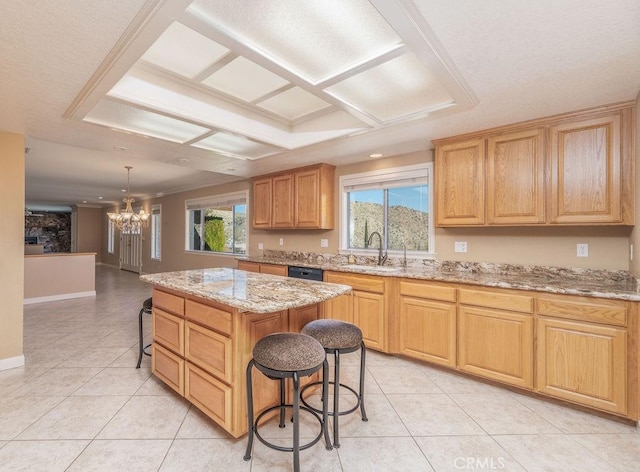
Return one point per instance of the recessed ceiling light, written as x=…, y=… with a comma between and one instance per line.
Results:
x=99, y=198
x=123, y=190
x=84, y=201
x=377, y=154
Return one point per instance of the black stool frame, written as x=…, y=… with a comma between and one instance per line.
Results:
x=281, y=376
x=336, y=388
x=142, y=349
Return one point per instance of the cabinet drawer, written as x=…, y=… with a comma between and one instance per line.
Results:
x=209, y=316
x=502, y=301
x=418, y=289
x=168, y=330
x=594, y=310
x=168, y=302
x=168, y=367
x=357, y=282
x=210, y=395
x=209, y=350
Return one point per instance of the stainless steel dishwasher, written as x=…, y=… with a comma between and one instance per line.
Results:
x=309, y=273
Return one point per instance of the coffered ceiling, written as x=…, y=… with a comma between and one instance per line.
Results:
x=201, y=92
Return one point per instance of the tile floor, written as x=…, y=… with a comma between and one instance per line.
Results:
x=79, y=404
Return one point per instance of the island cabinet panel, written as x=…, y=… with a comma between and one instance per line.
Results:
x=168, y=367
x=428, y=330
x=586, y=179
x=584, y=363
x=298, y=317
x=209, y=316
x=168, y=302
x=209, y=350
x=515, y=178
x=212, y=397
x=459, y=169
x=496, y=344
x=168, y=330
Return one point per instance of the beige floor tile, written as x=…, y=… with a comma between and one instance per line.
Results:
x=115, y=381
x=151, y=417
x=58, y=382
x=12, y=379
x=309, y=426
x=39, y=456
x=450, y=382
x=196, y=455
x=121, y=456
x=18, y=413
x=455, y=453
x=402, y=379
x=622, y=451
x=433, y=415
x=94, y=357
x=154, y=386
x=502, y=414
x=552, y=452
x=75, y=418
x=382, y=454
x=317, y=458
x=197, y=425
x=572, y=421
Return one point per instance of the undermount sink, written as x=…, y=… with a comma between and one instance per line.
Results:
x=372, y=268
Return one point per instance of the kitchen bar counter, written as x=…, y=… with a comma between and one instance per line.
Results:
x=247, y=291
x=597, y=283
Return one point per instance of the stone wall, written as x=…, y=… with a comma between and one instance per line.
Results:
x=52, y=229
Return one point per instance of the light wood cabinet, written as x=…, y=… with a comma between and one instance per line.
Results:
x=586, y=180
x=301, y=198
x=427, y=323
x=571, y=169
x=515, y=178
x=582, y=351
x=273, y=269
x=365, y=306
x=460, y=183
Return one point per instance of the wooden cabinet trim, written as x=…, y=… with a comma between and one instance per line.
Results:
x=357, y=282
x=415, y=288
x=209, y=350
x=168, y=330
x=211, y=396
x=491, y=299
x=168, y=367
x=168, y=302
x=592, y=310
x=209, y=316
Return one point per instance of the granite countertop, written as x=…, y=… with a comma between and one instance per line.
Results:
x=247, y=291
x=597, y=283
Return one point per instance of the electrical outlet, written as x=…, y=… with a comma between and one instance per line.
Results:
x=281, y=241
x=460, y=246
x=324, y=243
x=582, y=250
x=260, y=246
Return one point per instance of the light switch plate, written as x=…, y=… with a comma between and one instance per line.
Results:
x=324, y=243
x=260, y=246
x=582, y=250
x=460, y=246
x=281, y=241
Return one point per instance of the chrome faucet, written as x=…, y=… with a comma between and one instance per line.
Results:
x=381, y=259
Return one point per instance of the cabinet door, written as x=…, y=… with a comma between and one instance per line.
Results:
x=460, y=184
x=496, y=345
x=584, y=363
x=273, y=269
x=368, y=315
x=339, y=308
x=249, y=266
x=308, y=199
x=428, y=330
x=262, y=204
x=586, y=180
x=515, y=178
x=298, y=317
x=282, y=209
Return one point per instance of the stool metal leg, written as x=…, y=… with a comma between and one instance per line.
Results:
x=296, y=422
x=140, y=345
x=282, y=403
x=336, y=399
x=247, y=454
x=363, y=352
x=325, y=404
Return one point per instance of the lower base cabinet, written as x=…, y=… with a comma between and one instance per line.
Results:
x=584, y=363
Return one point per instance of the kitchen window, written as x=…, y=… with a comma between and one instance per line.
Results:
x=217, y=224
x=396, y=203
x=156, y=231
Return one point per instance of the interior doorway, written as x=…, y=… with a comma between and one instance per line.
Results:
x=131, y=250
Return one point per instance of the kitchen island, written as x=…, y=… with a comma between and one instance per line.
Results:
x=205, y=324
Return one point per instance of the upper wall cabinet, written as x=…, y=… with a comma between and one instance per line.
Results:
x=572, y=169
x=297, y=199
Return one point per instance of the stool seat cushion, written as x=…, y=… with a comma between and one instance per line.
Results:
x=334, y=334
x=147, y=305
x=288, y=352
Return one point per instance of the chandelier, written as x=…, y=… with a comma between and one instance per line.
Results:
x=127, y=221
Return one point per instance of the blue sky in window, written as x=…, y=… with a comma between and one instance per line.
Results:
x=411, y=197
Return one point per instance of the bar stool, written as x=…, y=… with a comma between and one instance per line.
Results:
x=338, y=337
x=146, y=309
x=282, y=356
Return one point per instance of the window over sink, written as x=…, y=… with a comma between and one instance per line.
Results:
x=217, y=224
x=396, y=203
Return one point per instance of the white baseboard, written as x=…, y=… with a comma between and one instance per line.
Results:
x=11, y=362
x=63, y=296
